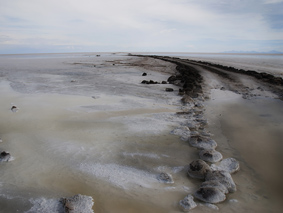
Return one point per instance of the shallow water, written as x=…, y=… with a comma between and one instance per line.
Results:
x=251, y=131
x=107, y=137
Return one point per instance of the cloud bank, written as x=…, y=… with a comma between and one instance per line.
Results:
x=148, y=25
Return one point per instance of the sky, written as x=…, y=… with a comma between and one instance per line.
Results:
x=56, y=26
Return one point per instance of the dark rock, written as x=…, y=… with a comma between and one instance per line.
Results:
x=187, y=203
x=230, y=165
x=165, y=178
x=210, y=155
x=169, y=90
x=210, y=195
x=198, y=169
x=202, y=142
x=164, y=82
x=145, y=82
x=14, y=109
x=5, y=156
x=144, y=74
x=222, y=177
x=171, y=79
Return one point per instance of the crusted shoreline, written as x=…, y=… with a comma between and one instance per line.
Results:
x=214, y=171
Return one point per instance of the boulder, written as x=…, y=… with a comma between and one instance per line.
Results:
x=230, y=165
x=187, y=203
x=165, y=178
x=215, y=184
x=144, y=74
x=222, y=177
x=202, y=142
x=210, y=155
x=210, y=195
x=198, y=169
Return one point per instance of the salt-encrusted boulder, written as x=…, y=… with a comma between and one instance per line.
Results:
x=222, y=177
x=5, y=156
x=230, y=165
x=202, y=142
x=210, y=195
x=183, y=132
x=210, y=155
x=198, y=169
x=165, y=178
x=215, y=184
x=187, y=203
x=78, y=203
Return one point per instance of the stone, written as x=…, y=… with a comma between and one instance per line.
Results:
x=78, y=203
x=164, y=82
x=210, y=195
x=14, y=109
x=169, y=90
x=187, y=203
x=210, y=155
x=5, y=156
x=198, y=169
x=144, y=74
x=230, y=165
x=202, y=142
x=165, y=178
x=215, y=184
x=222, y=177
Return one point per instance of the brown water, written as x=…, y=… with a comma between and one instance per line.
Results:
x=251, y=131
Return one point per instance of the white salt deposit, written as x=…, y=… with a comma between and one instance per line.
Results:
x=121, y=176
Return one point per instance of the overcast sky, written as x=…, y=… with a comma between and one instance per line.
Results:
x=32, y=26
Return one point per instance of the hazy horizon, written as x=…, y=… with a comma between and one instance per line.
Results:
x=36, y=26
